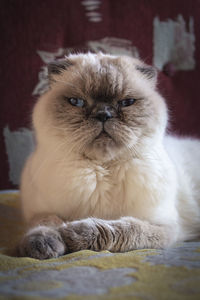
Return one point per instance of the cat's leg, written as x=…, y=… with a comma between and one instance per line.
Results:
x=120, y=235
x=43, y=240
x=51, y=237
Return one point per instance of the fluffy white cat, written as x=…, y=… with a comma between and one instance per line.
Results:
x=104, y=174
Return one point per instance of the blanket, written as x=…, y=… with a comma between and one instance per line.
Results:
x=147, y=274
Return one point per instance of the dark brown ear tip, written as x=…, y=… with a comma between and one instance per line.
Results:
x=58, y=66
x=154, y=71
x=149, y=71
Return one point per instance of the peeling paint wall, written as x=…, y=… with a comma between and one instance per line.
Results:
x=161, y=33
x=92, y=7
x=172, y=43
x=19, y=145
x=114, y=46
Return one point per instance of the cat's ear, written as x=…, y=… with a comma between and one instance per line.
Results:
x=56, y=67
x=149, y=72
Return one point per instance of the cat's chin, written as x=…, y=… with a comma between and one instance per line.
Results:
x=101, y=155
x=102, y=148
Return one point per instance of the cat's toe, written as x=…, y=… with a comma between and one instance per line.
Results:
x=42, y=245
x=79, y=235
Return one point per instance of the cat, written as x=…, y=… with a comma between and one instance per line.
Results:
x=104, y=174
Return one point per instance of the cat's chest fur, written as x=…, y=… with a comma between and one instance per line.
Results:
x=126, y=188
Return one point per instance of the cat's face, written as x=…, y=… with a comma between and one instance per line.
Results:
x=104, y=105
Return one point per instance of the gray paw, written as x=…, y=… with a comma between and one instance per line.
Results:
x=42, y=244
x=80, y=235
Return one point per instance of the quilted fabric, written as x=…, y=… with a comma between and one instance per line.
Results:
x=143, y=274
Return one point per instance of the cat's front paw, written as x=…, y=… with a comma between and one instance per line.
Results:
x=42, y=242
x=81, y=235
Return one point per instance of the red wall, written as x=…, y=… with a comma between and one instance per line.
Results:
x=28, y=26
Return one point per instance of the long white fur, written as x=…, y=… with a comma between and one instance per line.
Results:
x=162, y=187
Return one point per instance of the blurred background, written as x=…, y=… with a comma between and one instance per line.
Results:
x=163, y=33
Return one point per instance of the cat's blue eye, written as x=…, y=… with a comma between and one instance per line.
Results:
x=126, y=102
x=76, y=102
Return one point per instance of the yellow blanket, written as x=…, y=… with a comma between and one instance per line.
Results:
x=143, y=274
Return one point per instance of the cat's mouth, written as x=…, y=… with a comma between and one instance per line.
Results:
x=103, y=134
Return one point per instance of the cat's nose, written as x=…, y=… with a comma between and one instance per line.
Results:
x=103, y=115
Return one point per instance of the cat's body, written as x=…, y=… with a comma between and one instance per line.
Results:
x=128, y=169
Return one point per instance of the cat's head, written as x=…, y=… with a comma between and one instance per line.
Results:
x=104, y=106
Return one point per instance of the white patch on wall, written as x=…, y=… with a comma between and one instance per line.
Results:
x=174, y=42
x=91, y=7
x=114, y=46
x=19, y=145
